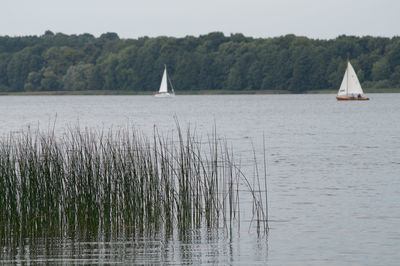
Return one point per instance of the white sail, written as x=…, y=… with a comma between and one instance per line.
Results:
x=164, y=84
x=163, y=91
x=350, y=85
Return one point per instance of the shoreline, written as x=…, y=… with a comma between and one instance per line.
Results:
x=199, y=92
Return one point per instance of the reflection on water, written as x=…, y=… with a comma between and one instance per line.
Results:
x=194, y=247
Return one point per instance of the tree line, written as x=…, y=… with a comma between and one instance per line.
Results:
x=52, y=62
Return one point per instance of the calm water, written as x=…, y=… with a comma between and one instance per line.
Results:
x=334, y=177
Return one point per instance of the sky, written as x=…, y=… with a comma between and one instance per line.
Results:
x=317, y=19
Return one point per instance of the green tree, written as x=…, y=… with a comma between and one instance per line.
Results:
x=20, y=65
x=50, y=81
x=33, y=82
x=108, y=70
x=234, y=80
x=302, y=69
x=211, y=61
x=78, y=77
x=4, y=59
x=109, y=36
x=59, y=59
x=381, y=69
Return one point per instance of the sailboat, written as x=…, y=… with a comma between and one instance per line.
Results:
x=350, y=89
x=163, y=91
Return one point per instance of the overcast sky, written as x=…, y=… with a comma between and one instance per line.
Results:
x=322, y=19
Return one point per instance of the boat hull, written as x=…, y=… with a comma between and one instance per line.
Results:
x=347, y=98
x=164, y=95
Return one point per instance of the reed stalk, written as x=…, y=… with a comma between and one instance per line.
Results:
x=98, y=182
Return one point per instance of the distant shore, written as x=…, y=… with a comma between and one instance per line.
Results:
x=199, y=92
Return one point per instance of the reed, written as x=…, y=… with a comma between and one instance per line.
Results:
x=95, y=182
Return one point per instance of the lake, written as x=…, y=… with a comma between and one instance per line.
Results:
x=333, y=177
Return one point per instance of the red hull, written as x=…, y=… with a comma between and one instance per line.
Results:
x=345, y=98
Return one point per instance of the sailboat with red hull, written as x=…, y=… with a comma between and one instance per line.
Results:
x=350, y=89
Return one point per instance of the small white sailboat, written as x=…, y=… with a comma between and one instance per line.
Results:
x=350, y=89
x=163, y=91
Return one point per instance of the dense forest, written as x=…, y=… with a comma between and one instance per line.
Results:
x=52, y=62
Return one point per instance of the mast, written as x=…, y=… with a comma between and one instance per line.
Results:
x=347, y=76
x=166, y=76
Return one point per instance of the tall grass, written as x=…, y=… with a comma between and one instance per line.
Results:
x=95, y=181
